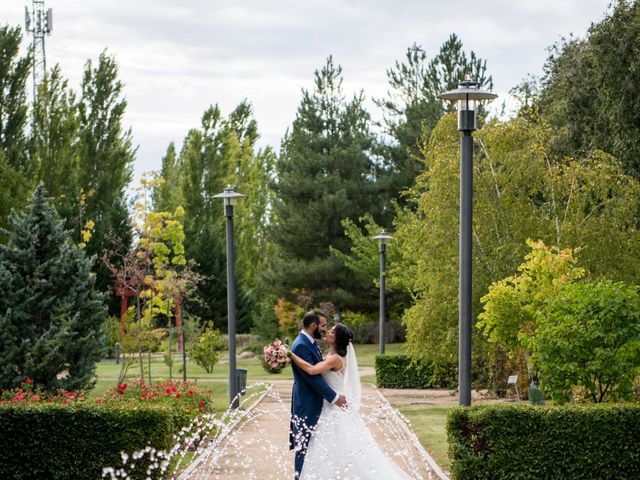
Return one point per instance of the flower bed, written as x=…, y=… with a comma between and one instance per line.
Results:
x=186, y=397
x=67, y=436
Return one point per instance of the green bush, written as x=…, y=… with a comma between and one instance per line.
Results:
x=525, y=442
x=398, y=371
x=78, y=440
x=208, y=349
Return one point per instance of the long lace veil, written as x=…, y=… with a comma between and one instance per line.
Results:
x=352, y=388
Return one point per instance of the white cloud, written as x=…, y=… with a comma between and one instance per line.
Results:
x=177, y=58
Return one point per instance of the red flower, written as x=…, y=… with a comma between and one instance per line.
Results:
x=28, y=381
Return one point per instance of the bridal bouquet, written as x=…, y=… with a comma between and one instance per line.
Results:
x=275, y=357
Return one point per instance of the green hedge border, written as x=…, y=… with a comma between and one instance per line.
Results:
x=524, y=442
x=49, y=441
x=399, y=371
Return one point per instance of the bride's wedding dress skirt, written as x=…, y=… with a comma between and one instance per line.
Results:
x=342, y=447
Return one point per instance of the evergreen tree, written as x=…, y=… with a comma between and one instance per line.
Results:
x=324, y=175
x=106, y=157
x=412, y=108
x=50, y=312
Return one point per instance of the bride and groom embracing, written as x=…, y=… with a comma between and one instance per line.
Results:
x=330, y=438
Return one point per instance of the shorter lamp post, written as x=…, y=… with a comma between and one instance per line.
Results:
x=229, y=196
x=382, y=238
x=467, y=93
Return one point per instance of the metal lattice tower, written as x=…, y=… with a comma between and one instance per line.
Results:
x=39, y=23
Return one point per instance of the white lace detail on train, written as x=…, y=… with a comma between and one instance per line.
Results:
x=342, y=447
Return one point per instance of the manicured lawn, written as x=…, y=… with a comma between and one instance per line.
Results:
x=367, y=353
x=107, y=371
x=429, y=422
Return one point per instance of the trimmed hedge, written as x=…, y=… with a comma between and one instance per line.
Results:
x=77, y=441
x=398, y=371
x=524, y=442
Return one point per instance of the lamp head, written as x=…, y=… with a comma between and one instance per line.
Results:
x=383, y=237
x=229, y=196
x=467, y=93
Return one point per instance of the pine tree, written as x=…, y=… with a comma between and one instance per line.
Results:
x=412, y=108
x=324, y=175
x=50, y=312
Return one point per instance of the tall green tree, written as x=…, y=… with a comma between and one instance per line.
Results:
x=220, y=153
x=15, y=172
x=50, y=312
x=589, y=92
x=54, y=144
x=411, y=108
x=167, y=196
x=14, y=71
x=521, y=191
x=106, y=156
x=324, y=175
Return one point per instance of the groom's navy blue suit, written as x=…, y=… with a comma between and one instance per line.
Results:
x=306, y=401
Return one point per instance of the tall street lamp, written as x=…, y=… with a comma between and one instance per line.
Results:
x=466, y=94
x=228, y=195
x=382, y=238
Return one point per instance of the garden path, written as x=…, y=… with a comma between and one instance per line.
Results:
x=258, y=447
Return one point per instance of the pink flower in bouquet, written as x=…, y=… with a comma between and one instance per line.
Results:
x=275, y=356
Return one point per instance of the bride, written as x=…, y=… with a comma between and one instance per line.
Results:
x=342, y=446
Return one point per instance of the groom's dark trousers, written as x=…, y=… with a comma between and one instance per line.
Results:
x=306, y=399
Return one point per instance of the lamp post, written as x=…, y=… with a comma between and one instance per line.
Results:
x=228, y=195
x=382, y=238
x=466, y=94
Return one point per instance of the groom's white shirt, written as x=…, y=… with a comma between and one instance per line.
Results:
x=313, y=341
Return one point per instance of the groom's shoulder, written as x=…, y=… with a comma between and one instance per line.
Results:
x=299, y=341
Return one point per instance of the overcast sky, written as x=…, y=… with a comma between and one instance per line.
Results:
x=178, y=57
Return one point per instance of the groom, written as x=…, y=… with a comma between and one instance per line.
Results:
x=308, y=390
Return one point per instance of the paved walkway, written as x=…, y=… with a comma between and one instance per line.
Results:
x=258, y=447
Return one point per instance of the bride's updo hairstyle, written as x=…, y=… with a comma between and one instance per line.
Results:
x=343, y=338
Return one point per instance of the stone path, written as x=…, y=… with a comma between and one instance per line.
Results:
x=258, y=447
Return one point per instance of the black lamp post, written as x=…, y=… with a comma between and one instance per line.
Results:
x=229, y=196
x=466, y=94
x=382, y=238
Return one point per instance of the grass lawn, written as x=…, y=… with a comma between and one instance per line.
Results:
x=429, y=422
x=107, y=371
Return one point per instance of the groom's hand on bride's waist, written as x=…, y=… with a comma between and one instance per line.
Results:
x=341, y=401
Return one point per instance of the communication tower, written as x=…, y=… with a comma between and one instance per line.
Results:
x=38, y=22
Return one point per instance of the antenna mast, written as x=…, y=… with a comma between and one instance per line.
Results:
x=39, y=23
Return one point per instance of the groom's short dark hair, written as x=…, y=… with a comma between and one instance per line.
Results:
x=312, y=316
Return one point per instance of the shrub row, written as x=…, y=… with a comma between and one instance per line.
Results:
x=524, y=442
x=398, y=371
x=78, y=440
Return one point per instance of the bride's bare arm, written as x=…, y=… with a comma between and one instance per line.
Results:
x=332, y=362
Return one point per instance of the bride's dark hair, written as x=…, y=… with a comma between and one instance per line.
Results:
x=343, y=337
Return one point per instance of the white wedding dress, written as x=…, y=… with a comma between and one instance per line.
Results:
x=342, y=447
